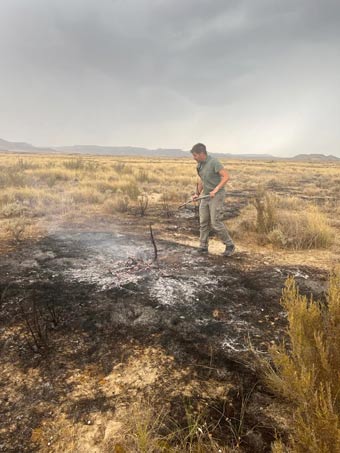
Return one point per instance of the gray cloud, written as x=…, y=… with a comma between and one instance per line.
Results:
x=246, y=76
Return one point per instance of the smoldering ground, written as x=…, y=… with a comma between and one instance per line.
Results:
x=91, y=298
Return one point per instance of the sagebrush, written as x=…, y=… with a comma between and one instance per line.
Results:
x=307, y=370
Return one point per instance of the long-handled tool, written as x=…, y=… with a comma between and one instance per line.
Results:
x=191, y=200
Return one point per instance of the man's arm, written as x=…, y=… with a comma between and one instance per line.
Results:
x=199, y=189
x=224, y=179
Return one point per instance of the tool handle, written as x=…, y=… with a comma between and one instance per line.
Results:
x=191, y=201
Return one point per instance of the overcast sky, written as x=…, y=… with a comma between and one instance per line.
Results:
x=255, y=76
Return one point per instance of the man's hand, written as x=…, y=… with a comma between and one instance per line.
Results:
x=195, y=196
x=213, y=193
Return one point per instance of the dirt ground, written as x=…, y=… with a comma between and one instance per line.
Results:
x=93, y=329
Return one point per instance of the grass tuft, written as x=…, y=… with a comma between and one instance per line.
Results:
x=288, y=223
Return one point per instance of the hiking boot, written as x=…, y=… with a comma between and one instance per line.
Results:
x=202, y=250
x=229, y=250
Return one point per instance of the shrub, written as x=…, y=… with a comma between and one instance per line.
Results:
x=74, y=164
x=142, y=176
x=25, y=164
x=105, y=187
x=265, y=205
x=86, y=195
x=143, y=203
x=308, y=373
x=17, y=228
x=91, y=166
x=131, y=190
x=290, y=203
x=26, y=195
x=165, y=200
x=119, y=167
x=174, y=195
x=288, y=222
x=12, y=210
x=278, y=238
x=305, y=230
x=12, y=178
x=116, y=204
x=52, y=176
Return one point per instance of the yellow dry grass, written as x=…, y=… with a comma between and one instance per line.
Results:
x=44, y=188
x=308, y=372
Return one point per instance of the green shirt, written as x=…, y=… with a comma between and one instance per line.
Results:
x=208, y=171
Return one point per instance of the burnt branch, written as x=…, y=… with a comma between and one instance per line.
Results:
x=154, y=244
x=37, y=326
x=54, y=316
x=143, y=202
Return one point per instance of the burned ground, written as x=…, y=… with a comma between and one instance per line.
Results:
x=80, y=306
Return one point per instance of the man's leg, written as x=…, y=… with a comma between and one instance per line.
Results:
x=204, y=213
x=216, y=205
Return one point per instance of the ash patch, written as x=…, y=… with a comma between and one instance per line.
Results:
x=119, y=261
x=107, y=260
x=99, y=295
x=106, y=274
x=205, y=300
x=180, y=290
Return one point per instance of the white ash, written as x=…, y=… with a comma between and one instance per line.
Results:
x=171, y=291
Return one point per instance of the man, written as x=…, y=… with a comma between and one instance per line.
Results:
x=212, y=179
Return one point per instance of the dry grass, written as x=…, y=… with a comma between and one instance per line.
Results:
x=143, y=431
x=303, y=230
x=308, y=372
x=35, y=187
x=107, y=175
x=116, y=204
x=151, y=431
x=286, y=222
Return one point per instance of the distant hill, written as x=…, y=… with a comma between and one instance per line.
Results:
x=13, y=146
x=159, y=152
x=155, y=153
x=121, y=151
x=315, y=158
x=22, y=147
x=118, y=151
